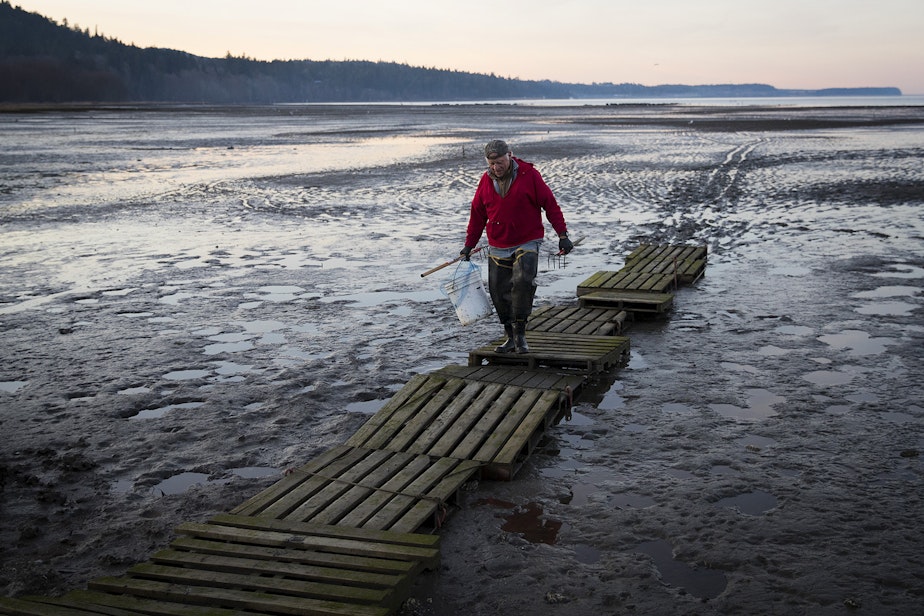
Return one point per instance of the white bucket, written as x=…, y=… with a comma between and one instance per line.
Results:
x=465, y=290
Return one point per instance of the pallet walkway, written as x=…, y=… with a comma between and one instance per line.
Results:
x=645, y=283
x=589, y=354
x=347, y=532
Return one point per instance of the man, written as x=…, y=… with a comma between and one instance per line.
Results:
x=509, y=202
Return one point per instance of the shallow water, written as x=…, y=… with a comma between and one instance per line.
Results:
x=187, y=294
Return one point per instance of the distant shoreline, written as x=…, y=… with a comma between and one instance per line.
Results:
x=775, y=102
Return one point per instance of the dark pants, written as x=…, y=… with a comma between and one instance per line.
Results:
x=512, y=283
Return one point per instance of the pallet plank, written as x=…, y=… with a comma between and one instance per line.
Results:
x=232, y=598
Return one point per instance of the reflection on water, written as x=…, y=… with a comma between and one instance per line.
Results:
x=827, y=377
x=12, y=387
x=179, y=483
x=760, y=405
x=700, y=582
x=857, y=342
x=750, y=503
x=161, y=411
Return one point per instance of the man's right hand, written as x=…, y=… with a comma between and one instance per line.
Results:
x=466, y=253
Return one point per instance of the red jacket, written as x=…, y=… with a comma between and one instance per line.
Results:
x=517, y=217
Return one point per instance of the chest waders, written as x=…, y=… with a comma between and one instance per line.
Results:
x=512, y=284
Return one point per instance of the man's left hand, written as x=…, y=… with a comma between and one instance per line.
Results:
x=565, y=245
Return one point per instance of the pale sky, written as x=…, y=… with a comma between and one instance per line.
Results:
x=806, y=44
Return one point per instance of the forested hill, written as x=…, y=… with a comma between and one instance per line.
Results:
x=42, y=61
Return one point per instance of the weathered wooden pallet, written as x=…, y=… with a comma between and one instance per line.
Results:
x=587, y=321
x=588, y=354
x=494, y=424
x=362, y=487
x=272, y=566
x=629, y=301
x=685, y=263
x=567, y=383
x=236, y=565
x=626, y=280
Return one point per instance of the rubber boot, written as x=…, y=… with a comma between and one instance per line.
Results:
x=520, y=337
x=510, y=343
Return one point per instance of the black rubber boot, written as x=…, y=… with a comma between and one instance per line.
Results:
x=510, y=343
x=520, y=337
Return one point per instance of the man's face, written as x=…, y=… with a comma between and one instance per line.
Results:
x=499, y=164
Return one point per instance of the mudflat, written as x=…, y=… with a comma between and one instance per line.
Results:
x=193, y=300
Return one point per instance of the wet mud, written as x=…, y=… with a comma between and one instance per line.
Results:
x=193, y=302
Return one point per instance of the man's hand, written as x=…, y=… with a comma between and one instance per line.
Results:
x=565, y=245
x=466, y=253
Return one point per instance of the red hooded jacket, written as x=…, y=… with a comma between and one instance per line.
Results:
x=517, y=217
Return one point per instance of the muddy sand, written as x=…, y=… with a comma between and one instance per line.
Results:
x=194, y=300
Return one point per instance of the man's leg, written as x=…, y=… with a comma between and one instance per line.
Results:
x=500, y=275
x=522, y=293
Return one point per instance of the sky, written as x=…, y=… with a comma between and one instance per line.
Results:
x=789, y=44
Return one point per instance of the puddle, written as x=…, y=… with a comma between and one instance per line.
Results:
x=227, y=347
x=179, y=483
x=795, y=330
x=578, y=419
x=226, y=368
x=750, y=503
x=702, y=583
x=366, y=407
x=255, y=472
x=772, y=351
x=186, y=375
x=760, y=406
x=676, y=408
x=679, y=473
x=838, y=409
x=11, y=387
x=756, y=442
x=888, y=291
x=631, y=500
x=857, y=342
x=120, y=292
x=611, y=402
x=889, y=309
x=900, y=270
x=827, y=377
x=121, y=486
x=739, y=367
x=261, y=327
x=586, y=554
x=160, y=412
x=134, y=390
x=527, y=521
x=280, y=294
x=863, y=397
x=175, y=299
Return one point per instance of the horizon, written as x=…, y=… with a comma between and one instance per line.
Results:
x=787, y=45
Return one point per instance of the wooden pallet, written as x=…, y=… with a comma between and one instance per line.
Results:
x=630, y=301
x=275, y=566
x=234, y=565
x=496, y=425
x=685, y=263
x=626, y=280
x=587, y=321
x=360, y=487
x=588, y=354
x=567, y=383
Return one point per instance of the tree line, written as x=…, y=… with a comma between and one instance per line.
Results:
x=42, y=61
